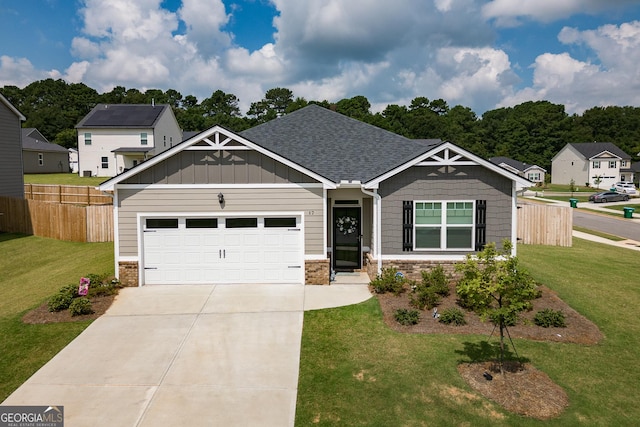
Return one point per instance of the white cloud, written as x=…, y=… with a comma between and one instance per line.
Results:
x=507, y=12
x=19, y=72
x=611, y=78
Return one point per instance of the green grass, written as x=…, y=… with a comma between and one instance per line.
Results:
x=566, y=198
x=356, y=371
x=63, y=179
x=599, y=234
x=31, y=270
x=620, y=208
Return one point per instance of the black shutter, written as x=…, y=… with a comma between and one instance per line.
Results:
x=481, y=224
x=407, y=225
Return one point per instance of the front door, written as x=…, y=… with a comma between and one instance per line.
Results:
x=347, y=229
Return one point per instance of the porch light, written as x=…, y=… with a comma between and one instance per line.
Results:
x=220, y=198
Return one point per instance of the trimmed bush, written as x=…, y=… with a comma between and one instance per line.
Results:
x=406, y=317
x=80, y=306
x=452, y=316
x=437, y=280
x=424, y=298
x=60, y=301
x=548, y=318
x=388, y=281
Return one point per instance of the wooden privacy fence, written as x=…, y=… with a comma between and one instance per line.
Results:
x=57, y=221
x=545, y=225
x=66, y=194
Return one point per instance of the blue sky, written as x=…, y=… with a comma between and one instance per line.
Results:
x=481, y=54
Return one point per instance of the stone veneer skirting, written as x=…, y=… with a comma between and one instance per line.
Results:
x=316, y=272
x=412, y=269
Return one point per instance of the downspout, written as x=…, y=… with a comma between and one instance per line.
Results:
x=377, y=225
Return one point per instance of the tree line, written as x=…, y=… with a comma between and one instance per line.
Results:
x=531, y=132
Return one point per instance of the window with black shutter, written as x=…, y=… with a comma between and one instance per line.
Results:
x=407, y=225
x=481, y=224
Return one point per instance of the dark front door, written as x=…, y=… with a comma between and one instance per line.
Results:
x=347, y=229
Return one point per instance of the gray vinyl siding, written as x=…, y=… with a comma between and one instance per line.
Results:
x=428, y=183
x=11, y=179
x=53, y=162
x=205, y=201
x=219, y=167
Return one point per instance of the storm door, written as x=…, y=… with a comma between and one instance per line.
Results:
x=347, y=238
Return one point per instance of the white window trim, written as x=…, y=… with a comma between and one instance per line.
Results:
x=444, y=226
x=40, y=159
x=596, y=164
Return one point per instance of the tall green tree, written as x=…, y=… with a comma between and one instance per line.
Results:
x=357, y=107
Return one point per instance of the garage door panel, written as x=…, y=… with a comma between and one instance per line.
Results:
x=221, y=255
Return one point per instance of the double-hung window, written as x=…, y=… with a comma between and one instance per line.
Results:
x=104, y=161
x=143, y=138
x=596, y=164
x=443, y=225
x=612, y=164
x=87, y=138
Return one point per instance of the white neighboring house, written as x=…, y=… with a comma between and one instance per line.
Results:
x=113, y=138
x=600, y=164
x=533, y=173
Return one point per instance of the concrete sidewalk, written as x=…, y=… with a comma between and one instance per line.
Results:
x=223, y=355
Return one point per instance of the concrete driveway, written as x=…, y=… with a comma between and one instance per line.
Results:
x=223, y=355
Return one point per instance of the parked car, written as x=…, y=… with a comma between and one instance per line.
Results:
x=626, y=187
x=608, y=196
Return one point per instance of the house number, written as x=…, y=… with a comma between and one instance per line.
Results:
x=311, y=212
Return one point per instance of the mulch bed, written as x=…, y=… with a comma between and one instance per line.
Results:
x=42, y=314
x=521, y=388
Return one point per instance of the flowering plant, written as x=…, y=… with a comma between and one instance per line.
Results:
x=347, y=224
x=83, y=289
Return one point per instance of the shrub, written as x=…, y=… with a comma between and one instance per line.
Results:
x=388, y=281
x=71, y=290
x=59, y=301
x=436, y=279
x=550, y=318
x=80, y=306
x=407, y=317
x=424, y=298
x=103, y=285
x=453, y=316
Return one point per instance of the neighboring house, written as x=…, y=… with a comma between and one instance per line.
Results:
x=73, y=160
x=533, y=173
x=600, y=164
x=113, y=138
x=292, y=199
x=41, y=156
x=11, y=175
x=635, y=169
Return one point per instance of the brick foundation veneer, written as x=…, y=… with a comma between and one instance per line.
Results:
x=411, y=269
x=128, y=271
x=317, y=272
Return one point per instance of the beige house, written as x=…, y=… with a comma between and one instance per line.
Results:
x=113, y=138
x=302, y=196
x=596, y=164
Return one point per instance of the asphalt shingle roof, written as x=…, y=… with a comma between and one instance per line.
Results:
x=335, y=146
x=591, y=149
x=33, y=140
x=122, y=116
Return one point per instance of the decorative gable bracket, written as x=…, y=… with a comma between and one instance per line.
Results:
x=217, y=141
x=447, y=157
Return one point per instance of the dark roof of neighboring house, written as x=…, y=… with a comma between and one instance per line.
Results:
x=335, y=146
x=592, y=149
x=132, y=150
x=513, y=163
x=188, y=134
x=123, y=116
x=635, y=167
x=33, y=140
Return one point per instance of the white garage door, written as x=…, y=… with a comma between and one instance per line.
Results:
x=201, y=250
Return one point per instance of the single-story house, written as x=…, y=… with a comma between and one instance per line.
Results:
x=597, y=164
x=11, y=175
x=41, y=156
x=293, y=199
x=533, y=173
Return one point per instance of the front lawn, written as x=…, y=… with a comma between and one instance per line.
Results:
x=355, y=371
x=31, y=270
